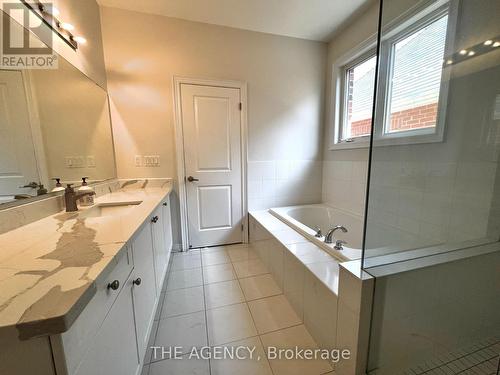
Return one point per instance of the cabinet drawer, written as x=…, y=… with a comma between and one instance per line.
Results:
x=76, y=341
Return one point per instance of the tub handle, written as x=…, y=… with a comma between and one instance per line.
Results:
x=318, y=234
x=338, y=244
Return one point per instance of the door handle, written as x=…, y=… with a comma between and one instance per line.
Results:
x=191, y=179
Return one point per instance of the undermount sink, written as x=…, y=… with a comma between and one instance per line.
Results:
x=109, y=209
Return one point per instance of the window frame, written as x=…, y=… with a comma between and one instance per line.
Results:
x=384, y=89
x=398, y=29
x=365, y=56
x=338, y=97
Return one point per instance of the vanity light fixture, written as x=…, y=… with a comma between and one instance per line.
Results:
x=49, y=15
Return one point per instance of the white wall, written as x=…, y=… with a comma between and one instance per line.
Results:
x=345, y=171
x=285, y=79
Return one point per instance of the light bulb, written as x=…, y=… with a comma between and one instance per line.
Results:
x=488, y=42
x=449, y=62
x=80, y=39
x=496, y=44
x=463, y=52
x=66, y=26
x=471, y=53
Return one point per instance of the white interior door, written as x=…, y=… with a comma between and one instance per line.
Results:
x=211, y=123
x=18, y=164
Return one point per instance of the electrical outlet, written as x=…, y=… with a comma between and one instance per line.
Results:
x=91, y=161
x=75, y=161
x=138, y=160
x=79, y=162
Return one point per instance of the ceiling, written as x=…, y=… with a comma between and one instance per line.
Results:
x=307, y=19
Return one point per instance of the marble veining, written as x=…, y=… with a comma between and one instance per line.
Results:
x=48, y=268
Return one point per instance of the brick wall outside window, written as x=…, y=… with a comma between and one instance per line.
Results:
x=408, y=119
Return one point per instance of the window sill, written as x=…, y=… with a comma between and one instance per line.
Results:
x=398, y=140
x=349, y=145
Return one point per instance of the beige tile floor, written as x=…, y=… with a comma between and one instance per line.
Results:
x=225, y=296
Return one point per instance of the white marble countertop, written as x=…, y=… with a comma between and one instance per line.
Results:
x=48, y=269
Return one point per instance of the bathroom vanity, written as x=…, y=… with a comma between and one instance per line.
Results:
x=78, y=290
x=79, y=293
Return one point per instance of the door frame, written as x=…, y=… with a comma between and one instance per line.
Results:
x=179, y=148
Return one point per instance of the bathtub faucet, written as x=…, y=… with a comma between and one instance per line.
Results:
x=329, y=234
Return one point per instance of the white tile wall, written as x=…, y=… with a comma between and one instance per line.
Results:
x=429, y=312
x=277, y=183
x=414, y=203
x=344, y=185
x=422, y=203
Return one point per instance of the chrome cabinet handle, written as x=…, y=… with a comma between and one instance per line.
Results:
x=114, y=285
x=191, y=179
x=137, y=281
x=155, y=219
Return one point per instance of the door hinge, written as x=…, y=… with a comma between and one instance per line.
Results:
x=241, y=106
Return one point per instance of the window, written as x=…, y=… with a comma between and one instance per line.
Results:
x=359, y=93
x=410, y=95
x=415, y=80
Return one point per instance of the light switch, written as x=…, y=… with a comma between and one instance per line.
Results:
x=69, y=161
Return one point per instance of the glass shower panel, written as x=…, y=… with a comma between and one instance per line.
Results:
x=433, y=211
x=434, y=182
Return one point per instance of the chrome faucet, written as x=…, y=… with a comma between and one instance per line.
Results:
x=71, y=197
x=329, y=234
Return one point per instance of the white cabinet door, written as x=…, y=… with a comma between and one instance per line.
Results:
x=114, y=350
x=167, y=229
x=144, y=286
x=159, y=246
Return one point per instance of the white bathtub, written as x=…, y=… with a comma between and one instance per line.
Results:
x=305, y=218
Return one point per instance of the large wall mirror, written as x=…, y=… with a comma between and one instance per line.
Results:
x=54, y=123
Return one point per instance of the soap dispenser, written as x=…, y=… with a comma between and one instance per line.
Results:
x=58, y=186
x=86, y=200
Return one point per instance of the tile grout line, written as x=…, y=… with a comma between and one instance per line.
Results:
x=205, y=312
x=256, y=330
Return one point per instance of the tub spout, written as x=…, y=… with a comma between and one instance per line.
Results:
x=329, y=234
